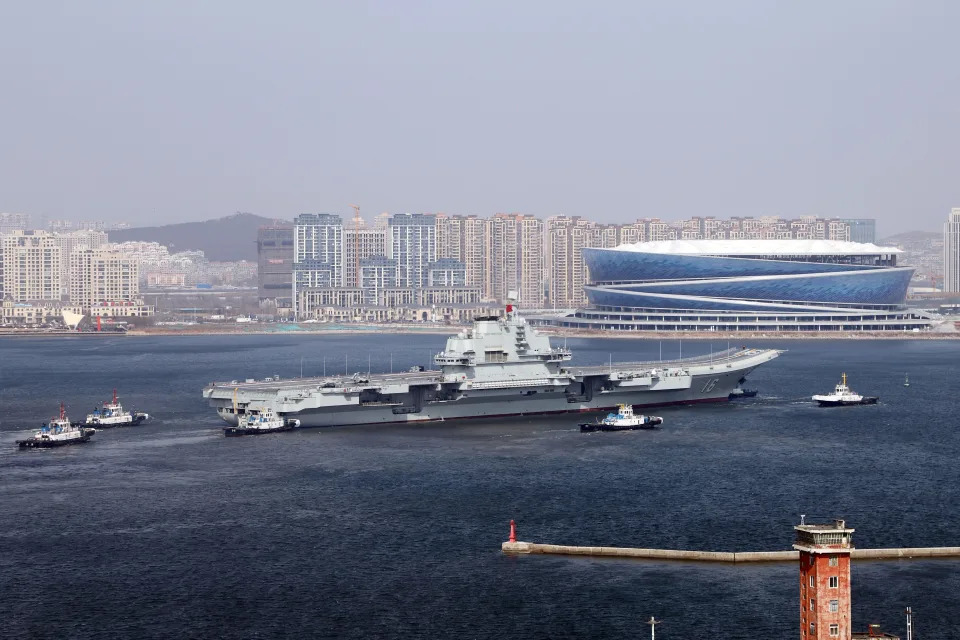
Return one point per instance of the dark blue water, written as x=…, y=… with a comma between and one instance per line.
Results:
x=171, y=530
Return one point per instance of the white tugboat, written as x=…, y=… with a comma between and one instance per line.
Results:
x=257, y=421
x=623, y=420
x=843, y=396
x=113, y=415
x=57, y=433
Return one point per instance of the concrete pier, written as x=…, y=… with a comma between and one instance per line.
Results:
x=519, y=548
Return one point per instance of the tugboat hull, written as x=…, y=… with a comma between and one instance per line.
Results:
x=231, y=432
x=32, y=443
x=136, y=420
x=847, y=403
x=651, y=423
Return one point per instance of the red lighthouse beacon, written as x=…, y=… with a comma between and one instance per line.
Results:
x=824, y=580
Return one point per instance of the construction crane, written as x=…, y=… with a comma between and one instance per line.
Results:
x=357, y=223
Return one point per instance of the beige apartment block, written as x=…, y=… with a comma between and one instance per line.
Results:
x=71, y=241
x=566, y=269
x=516, y=258
x=31, y=266
x=359, y=244
x=101, y=277
x=464, y=238
x=838, y=230
x=632, y=233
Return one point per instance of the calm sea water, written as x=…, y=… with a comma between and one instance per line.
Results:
x=171, y=530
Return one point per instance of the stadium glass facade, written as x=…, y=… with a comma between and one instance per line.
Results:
x=746, y=285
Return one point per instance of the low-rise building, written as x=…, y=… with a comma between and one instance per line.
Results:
x=37, y=312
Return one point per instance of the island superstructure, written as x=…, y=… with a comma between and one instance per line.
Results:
x=498, y=367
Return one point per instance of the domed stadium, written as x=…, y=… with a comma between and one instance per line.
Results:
x=747, y=285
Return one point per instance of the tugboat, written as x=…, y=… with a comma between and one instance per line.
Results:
x=739, y=392
x=623, y=420
x=257, y=421
x=843, y=396
x=113, y=415
x=57, y=433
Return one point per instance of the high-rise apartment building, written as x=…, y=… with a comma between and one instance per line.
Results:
x=412, y=244
x=359, y=244
x=275, y=263
x=951, y=252
x=566, y=239
x=71, y=241
x=317, y=253
x=32, y=267
x=516, y=258
x=566, y=270
x=464, y=238
x=102, y=276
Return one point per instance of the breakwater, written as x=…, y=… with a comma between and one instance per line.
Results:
x=520, y=548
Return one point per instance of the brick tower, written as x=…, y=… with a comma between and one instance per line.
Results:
x=824, y=580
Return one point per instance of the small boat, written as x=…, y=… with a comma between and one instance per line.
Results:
x=739, y=392
x=623, y=420
x=843, y=396
x=258, y=421
x=57, y=433
x=906, y=379
x=112, y=414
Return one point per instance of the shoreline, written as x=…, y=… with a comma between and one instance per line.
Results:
x=363, y=329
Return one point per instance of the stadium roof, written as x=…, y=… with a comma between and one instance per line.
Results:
x=759, y=248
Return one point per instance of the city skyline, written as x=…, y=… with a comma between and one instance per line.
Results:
x=615, y=113
x=368, y=219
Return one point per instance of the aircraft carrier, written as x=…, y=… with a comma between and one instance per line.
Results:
x=498, y=367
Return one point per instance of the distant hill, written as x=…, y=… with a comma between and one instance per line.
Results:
x=221, y=240
x=911, y=236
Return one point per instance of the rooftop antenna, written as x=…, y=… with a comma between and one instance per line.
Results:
x=653, y=622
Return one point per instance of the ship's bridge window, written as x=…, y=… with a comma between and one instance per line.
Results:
x=495, y=356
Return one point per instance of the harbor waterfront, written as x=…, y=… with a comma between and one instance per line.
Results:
x=394, y=530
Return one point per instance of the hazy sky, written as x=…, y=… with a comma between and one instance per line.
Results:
x=170, y=111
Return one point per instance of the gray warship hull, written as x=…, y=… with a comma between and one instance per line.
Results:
x=431, y=396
